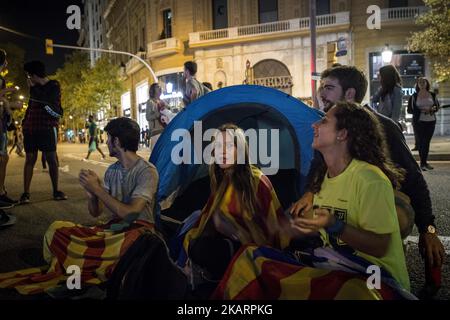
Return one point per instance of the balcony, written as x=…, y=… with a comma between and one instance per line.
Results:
x=335, y=21
x=404, y=14
x=164, y=47
x=134, y=65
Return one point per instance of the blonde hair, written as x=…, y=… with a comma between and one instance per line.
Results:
x=240, y=175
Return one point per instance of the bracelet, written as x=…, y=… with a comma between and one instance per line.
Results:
x=336, y=229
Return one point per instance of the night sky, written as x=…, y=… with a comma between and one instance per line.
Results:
x=42, y=19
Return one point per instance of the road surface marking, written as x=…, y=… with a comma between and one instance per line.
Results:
x=445, y=241
x=72, y=156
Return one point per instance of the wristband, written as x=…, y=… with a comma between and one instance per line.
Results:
x=336, y=229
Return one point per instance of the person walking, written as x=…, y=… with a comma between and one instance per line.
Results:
x=423, y=105
x=93, y=138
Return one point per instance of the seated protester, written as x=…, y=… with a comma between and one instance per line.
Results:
x=243, y=208
x=347, y=83
x=128, y=195
x=355, y=216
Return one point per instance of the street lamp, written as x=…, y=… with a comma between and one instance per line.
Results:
x=386, y=55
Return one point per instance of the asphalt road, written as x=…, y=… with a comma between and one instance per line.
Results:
x=21, y=245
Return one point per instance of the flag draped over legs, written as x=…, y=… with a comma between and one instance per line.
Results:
x=264, y=273
x=95, y=250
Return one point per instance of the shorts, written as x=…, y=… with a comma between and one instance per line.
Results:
x=44, y=140
x=3, y=144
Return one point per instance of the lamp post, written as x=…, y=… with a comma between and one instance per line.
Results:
x=386, y=54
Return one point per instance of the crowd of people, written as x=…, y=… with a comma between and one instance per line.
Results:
x=361, y=164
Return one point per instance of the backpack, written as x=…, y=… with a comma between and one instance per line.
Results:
x=146, y=271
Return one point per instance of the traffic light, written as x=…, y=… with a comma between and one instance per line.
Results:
x=331, y=54
x=49, y=46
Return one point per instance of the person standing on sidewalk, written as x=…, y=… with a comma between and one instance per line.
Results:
x=93, y=138
x=423, y=105
x=40, y=126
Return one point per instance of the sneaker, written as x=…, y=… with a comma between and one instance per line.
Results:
x=415, y=149
x=59, y=195
x=84, y=160
x=426, y=166
x=24, y=198
x=5, y=198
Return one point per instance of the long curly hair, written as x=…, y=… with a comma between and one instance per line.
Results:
x=366, y=142
x=240, y=175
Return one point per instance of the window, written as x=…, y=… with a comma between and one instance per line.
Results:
x=167, y=24
x=398, y=3
x=220, y=14
x=144, y=38
x=322, y=7
x=268, y=11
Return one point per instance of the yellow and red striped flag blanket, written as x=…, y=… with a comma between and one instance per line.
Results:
x=262, y=228
x=95, y=250
x=264, y=273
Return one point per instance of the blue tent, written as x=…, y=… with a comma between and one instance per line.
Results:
x=248, y=107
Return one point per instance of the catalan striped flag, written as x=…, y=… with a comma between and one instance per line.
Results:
x=262, y=227
x=95, y=250
x=264, y=273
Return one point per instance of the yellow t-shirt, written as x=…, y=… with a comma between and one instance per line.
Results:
x=363, y=197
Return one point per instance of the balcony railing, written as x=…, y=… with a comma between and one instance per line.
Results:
x=272, y=28
x=403, y=13
x=164, y=47
x=134, y=64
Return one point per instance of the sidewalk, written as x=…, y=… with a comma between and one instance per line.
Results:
x=439, y=148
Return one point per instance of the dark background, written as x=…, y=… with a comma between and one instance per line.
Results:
x=41, y=19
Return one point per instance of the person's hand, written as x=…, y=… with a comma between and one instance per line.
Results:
x=90, y=181
x=431, y=249
x=322, y=218
x=30, y=83
x=305, y=204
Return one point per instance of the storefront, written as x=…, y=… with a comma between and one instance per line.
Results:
x=141, y=103
x=172, y=87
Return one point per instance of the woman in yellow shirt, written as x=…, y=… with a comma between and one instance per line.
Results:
x=353, y=191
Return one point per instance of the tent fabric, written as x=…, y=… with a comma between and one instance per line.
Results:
x=213, y=108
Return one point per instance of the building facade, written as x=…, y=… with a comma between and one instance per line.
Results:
x=264, y=42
